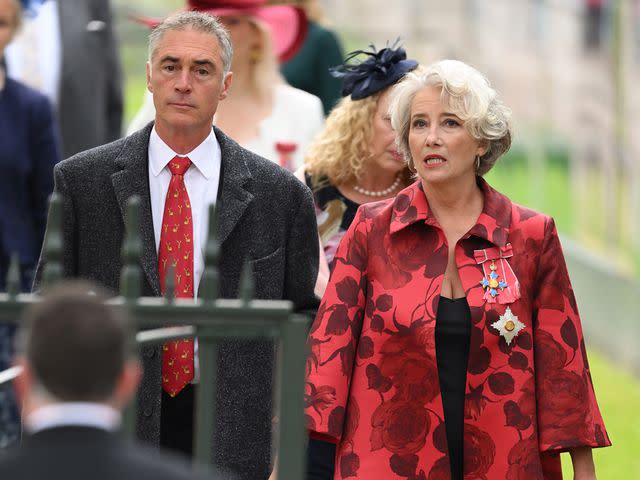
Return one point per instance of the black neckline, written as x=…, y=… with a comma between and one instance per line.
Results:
x=453, y=300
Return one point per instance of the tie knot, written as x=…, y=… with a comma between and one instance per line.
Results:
x=179, y=165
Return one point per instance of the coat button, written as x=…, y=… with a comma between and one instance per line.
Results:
x=147, y=412
x=150, y=352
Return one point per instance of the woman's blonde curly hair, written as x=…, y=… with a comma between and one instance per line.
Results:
x=340, y=152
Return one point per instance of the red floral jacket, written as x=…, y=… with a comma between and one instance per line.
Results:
x=372, y=379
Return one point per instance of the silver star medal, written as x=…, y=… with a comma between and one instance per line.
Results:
x=509, y=326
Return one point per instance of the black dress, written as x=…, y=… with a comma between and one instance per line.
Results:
x=453, y=332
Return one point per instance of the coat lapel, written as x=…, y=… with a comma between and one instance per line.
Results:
x=235, y=197
x=133, y=179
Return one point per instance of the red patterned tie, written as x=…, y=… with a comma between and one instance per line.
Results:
x=176, y=248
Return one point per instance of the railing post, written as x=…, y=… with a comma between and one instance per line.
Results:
x=206, y=401
x=53, y=242
x=292, y=432
x=206, y=393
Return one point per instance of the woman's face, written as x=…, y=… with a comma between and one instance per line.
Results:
x=441, y=147
x=382, y=147
x=7, y=23
x=245, y=36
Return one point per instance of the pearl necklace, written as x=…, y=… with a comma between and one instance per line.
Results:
x=379, y=193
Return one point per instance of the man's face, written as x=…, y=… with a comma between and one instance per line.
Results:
x=186, y=79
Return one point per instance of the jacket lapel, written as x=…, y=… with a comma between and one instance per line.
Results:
x=235, y=197
x=133, y=179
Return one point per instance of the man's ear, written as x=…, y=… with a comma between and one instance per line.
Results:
x=149, y=87
x=226, y=84
x=127, y=384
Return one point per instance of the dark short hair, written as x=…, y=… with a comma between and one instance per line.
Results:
x=75, y=344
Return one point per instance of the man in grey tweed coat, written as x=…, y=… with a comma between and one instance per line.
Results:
x=266, y=216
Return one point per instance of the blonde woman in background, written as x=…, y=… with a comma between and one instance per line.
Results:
x=354, y=159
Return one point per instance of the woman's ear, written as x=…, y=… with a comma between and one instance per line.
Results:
x=483, y=147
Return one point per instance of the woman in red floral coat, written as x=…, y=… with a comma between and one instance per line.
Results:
x=448, y=344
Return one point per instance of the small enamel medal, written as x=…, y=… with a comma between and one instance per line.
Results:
x=493, y=282
x=499, y=282
x=508, y=325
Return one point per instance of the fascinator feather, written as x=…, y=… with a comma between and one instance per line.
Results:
x=379, y=70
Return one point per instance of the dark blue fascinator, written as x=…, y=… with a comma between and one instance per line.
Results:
x=382, y=68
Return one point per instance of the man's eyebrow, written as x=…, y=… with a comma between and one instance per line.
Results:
x=205, y=62
x=169, y=58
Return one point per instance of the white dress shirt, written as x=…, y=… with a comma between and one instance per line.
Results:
x=201, y=180
x=76, y=414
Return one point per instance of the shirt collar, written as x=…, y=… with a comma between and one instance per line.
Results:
x=411, y=206
x=84, y=414
x=203, y=157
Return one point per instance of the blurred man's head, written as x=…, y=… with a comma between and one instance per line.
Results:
x=74, y=348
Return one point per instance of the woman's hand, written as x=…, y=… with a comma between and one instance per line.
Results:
x=583, y=467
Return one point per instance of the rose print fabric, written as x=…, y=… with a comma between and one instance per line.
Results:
x=372, y=378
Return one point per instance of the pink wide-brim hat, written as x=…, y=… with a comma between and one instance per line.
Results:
x=287, y=23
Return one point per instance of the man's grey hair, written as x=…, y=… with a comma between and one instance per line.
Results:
x=200, y=22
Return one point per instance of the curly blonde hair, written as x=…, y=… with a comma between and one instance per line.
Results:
x=340, y=151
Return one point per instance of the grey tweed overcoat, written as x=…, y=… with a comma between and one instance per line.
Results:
x=266, y=216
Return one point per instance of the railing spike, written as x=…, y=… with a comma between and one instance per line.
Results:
x=131, y=276
x=247, y=284
x=13, y=277
x=210, y=285
x=170, y=282
x=53, y=241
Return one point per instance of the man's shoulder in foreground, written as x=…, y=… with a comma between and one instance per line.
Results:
x=72, y=453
